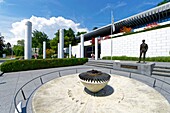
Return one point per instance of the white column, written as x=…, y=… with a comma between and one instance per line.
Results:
x=79, y=47
x=28, y=40
x=70, y=51
x=78, y=51
x=58, y=50
x=96, y=48
x=61, y=43
x=44, y=50
x=82, y=46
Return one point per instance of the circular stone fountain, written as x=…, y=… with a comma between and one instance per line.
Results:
x=94, y=80
x=121, y=95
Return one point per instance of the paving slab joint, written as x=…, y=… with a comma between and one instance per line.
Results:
x=154, y=83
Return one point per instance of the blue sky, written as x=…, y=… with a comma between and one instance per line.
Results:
x=88, y=13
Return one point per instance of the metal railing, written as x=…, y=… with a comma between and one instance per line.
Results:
x=155, y=82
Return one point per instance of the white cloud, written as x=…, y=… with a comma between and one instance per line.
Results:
x=48, y=26
x=111, y=6
x=120, y=4
x=108, y=6
x=150, y=3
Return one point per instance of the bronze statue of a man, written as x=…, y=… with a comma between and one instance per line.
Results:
x=143, y=50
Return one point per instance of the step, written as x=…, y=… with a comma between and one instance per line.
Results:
x=105, y=66
x=161, y=74
x=100, y=64
x=163, y=67
x=161, y=70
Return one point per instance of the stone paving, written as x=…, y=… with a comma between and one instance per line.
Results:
x=116, y=97
x=11, y=82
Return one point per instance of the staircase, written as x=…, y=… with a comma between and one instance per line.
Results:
x=102, y=64
x=159, y=70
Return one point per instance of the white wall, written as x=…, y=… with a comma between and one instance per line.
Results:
x=157, y=40
x=76, y=50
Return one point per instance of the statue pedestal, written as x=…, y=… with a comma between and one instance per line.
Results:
x=140, y=68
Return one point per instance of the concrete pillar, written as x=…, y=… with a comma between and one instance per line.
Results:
x=79, y=47
x=82, y=45
x=96, y=48
x=70, y=51
x=78, y=51
x=61, y=43
x=28, y=40
x=44, y=50
x=58, y=50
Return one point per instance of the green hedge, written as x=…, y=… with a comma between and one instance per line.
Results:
x=23, y=65
x=156, y=59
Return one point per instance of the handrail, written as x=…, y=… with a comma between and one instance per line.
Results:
x=39, y=77
x=20, y=89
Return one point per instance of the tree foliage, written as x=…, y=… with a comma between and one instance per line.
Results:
x=95, y=28
x=37, y=40
x=49, y=52
x=69, y=38
x=163, y=2
x=79, y=33
x=18, y=50
x=20, y=42
x=7, y=49
x=1, y=45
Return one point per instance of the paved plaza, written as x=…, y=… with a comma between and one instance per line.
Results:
x=11, y=82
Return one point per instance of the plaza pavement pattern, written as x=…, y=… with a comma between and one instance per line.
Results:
x=11, y=82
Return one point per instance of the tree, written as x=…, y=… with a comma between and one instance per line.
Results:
x=1, y=45
x=37, y=40
x=54, y=42
x=78, y=34
x=69, y=38
x=163, y=2
x=95, y=28
x=18, y=50
x=7, y=49
x=8, y=45
x=20, y=42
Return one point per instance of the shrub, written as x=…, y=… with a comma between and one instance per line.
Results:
x=23, y=65
x=49, y=53
x=156, y=59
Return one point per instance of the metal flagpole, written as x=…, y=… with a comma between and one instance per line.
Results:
x=111, y=33
x=112, y=30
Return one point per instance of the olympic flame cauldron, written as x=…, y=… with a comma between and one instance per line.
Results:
x=94, y=80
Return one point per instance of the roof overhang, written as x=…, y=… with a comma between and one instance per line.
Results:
x=154, y=14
